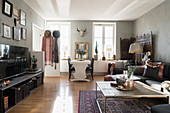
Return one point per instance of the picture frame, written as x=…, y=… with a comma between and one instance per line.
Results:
x=82, y=46
x=22, y=17
x=15, y=12
x=23, y=33
x=0, y=26
x=6, y=31
x=16, y=33
x=7, y=8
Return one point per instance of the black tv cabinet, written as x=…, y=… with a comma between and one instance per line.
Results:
x=16, y=81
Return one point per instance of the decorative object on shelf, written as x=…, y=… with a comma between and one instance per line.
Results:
x=81, y=50
x=103, y=58
x=23, y=33
x=34, y=60
x=96, y=51
x=16, y=33
x=136, y=48
x=15, y=12
x=7, y=8
x=114, y=57
x=6, y=31
x=22, y=18
x=81, y=32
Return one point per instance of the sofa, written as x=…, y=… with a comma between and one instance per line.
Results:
x=152, y=78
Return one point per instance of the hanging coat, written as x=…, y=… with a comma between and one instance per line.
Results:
x=56, y=35
x=47, y=47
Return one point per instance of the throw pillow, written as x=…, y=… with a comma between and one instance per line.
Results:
x=151, y=72
x=119, y=64
x=112, y=68
x=161, y=69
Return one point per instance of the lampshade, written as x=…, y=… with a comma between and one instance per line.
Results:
x=109, y=49
x=135, y=48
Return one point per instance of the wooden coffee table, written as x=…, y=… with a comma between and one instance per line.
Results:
x=141, y=90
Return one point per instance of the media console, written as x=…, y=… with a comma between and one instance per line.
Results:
x=18, y=89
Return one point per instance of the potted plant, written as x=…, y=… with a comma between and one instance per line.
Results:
x=34, y=61
x=96, y=51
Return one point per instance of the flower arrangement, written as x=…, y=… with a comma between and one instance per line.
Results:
x=81, y=52
x=130, y=71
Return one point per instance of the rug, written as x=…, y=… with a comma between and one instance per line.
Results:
x=87, y=104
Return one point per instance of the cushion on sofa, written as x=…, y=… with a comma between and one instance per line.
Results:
x=162, y=108
x=151, y=72
x=119, y=64
x=166, y=72
x=154, y=84
x=161, y=69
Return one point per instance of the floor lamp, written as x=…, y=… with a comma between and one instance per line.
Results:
x=136, y=48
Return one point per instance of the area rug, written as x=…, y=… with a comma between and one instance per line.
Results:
x=87, y=104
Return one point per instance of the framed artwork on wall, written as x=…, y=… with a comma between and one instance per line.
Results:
x=0, y=26
x=15, y=12
x=23, y=33
x=6, y=31
x=7, y=8
x=81, y=50
x=22, y=17
x=16, y=33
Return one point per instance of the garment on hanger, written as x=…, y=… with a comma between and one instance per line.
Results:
x=47, y=47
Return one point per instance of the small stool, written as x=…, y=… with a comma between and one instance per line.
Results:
x=107, y=78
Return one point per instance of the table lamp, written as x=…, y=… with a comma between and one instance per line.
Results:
x=136, y=48
x=109, y=49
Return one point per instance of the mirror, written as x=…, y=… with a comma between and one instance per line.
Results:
x=81, y=50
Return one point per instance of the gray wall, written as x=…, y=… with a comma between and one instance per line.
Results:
x=75, y=35
x=31, y=17
x=123, y=30
x=158, y=21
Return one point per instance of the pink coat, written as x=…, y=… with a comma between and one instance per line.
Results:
x=47, y=47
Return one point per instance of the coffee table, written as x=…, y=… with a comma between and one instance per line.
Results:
x=141, y=90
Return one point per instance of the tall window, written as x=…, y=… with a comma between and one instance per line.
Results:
x=104, y=35
x=64, y=29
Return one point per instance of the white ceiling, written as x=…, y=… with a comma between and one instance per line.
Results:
x=92, y=9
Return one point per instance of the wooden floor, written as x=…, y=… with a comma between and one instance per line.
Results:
x=57, y=95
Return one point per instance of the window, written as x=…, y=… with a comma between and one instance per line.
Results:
x=64, y=29
x=104, y=35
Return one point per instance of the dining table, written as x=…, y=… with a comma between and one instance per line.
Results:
x=80, y=69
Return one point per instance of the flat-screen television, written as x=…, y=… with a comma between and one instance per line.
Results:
x=14, y=60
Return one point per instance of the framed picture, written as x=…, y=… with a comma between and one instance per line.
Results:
x=81, y=50
x=15, y=12
x=16, y=33
x=6, y=31
x=22, y=18
x=7, y=8
x=23, y=33
x=0, y=25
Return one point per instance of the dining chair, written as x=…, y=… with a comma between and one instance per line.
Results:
x=89, y=69
x=71, y=68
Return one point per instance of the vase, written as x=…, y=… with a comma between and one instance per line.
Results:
x=96, y=57
x=81, y=57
